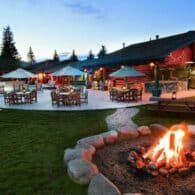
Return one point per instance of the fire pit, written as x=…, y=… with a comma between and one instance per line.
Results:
x=147, y=160
x=169, y=155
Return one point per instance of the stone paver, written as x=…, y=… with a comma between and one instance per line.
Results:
x=122, y=118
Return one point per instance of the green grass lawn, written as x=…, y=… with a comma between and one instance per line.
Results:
x=32, y=145
x=146, y=117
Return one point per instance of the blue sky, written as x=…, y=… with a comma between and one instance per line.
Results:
x=87, y=24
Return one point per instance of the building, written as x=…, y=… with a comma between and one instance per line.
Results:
x=170, y=53
x=45, y=69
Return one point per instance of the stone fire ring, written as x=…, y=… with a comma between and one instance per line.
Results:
x=79, y=159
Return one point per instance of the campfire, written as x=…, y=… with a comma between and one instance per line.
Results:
x=169, y=155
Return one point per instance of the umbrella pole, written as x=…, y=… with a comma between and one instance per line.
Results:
x=126, y=82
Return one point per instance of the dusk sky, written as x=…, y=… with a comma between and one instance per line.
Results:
x=87, y=24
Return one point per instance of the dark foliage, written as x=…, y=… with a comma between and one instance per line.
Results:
x=56, y=57
x=90, y=56
x=31, y=56
x=9, y=58
x=74, y=57
x=102, y=52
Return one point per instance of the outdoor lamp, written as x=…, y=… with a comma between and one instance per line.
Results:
x=124, y=87
x=152, y=64
x=174, y=95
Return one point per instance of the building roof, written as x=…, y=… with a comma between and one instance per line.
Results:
x=47, y=66
x=141, y=53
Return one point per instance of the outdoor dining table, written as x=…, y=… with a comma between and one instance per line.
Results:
x=64, y=93
x=69, y=98
x=24, y=96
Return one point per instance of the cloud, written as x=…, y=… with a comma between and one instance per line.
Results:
x=84, y=8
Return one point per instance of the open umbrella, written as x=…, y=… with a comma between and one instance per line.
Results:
x=127, y=72
x=19, y=74
x=68, y=71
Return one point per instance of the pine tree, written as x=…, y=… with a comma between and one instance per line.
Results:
x=9, y=54
x=31, y=56
x=90, y=56
x=56, y=57
x=102, y=52
x=73, y=57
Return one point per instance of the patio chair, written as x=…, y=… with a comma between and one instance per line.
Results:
x=14, y=98
x=56, y=99
x=76, y=99
x=120, y=96
x=6, y=98
x=113, y=94
x=2, y=87
x=134, y=94
x=33, y=96
x=139, y=94
x=18, y=98
x=84, y=97
x=27, y=98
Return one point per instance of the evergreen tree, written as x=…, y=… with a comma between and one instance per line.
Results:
x=102, y=52
x=73, y=57
x=9, y=54
x=56, y=57
x=31, y=56
x=90, y=56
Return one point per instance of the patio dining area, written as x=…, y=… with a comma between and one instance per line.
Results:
x=97, y=100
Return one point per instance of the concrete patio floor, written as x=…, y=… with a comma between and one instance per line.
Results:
x=96, y=100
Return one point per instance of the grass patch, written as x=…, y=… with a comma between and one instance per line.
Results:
x=32, y=145
x=147, y=117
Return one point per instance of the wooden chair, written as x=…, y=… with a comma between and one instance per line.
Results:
x=53, y=98
x=13, y=98
x=56, y=99
x=134, y=94
x=27, y=98
x=18, y=98
x=139, y=95
x=120, y=96
x=84, y=97
x=33, y=96
x=6, y=98
x=113, y=94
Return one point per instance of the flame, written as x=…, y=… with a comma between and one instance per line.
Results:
x=170, y=149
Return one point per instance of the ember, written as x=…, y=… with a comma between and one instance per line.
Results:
x=166, y=157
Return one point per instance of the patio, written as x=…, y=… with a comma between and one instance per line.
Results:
x=96, y=100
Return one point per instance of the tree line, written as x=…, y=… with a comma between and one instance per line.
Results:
x=10, y=58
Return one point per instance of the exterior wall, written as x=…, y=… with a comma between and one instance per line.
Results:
x=180, y=56
x=176, y=58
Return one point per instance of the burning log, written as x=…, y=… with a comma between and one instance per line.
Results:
x=157, y=155
x=161, y=163
x=173, y=170
x=163, y=171
x=167, y=157
x=172, y=141
x=152, y=166
x=183, y=171
x=140, y=164
x=192, y=165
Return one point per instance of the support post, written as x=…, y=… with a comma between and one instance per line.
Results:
x=156, y=91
